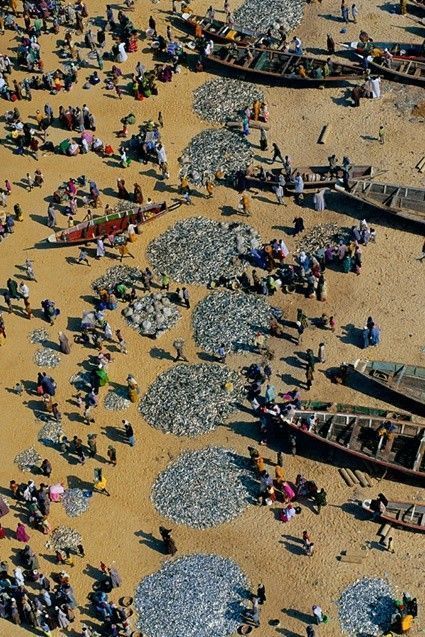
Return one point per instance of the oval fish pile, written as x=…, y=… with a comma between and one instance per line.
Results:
x=199, y=250
x=46, y=357
x=321, y=236
x=51, y=432
x=365, y=607
x=204, y=488
x=27, y=459
x=117, y=399
x=152, y=315
x=116, y=275
x=213, y=150
x=38, y=336
x=63, y=537
x=223, y=99
x=230, y=318
x=193, y=596
x=260, y=15
x=189, y=400
x=75, y=502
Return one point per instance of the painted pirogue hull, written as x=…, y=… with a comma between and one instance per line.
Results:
x=399, y=201
x=405, y=515
x=399, y=50
x=406, y=71
x=113, y=224
x=217, y=30
x=355, y=434
x=313, y=176
x=274, y=66
x=406, y=381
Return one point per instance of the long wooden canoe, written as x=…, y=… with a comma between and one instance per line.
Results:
x=399, y=50
x=313, y=176
x=407, y=381
x=280, y=67
x=360, y=436
x=406, y=515
x=112, y=224
x=401, y=201
x=418, y=3
x=400, y=70
x=219, y=31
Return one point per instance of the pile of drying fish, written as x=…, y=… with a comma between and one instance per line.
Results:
x=63, y=537
x=116, y=275
x=51, y=432
x=321, y=236
x=204, y=488
x=231, y=319
x=199, y=250
x=27, y=459
x=46, y=357
x=215, y=150
x=189, y=400
x=223, y=99
x=365, y=607
x=152, y=315
x=75, y=502
x=196, y=596
x=117, y=399
x=38, y=336
x=260, y=15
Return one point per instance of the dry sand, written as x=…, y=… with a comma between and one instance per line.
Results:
x=391, y=288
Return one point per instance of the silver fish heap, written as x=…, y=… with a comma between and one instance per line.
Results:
x=321, y=236
x=114, y=276
x=189, y=400
x=117, y=400
x=215, y=150
x=51, y=432
x=365, y=607
x=63, y=537
x=46, y=357
x=199, y=250
x=27, y=459
x=260, y=15
x=38, y=336
x=196, y=595
x=204, y=488
x=152, y=314
x=231, y=319
x=75, y=502
x=223, y=99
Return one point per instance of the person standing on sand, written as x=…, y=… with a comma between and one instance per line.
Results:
x=277, y=154
x=310, y=631
x=129, y=433
x=178, y=345
x=322, y=353
x=422, y=257
x=320, y=500
x=381, y=135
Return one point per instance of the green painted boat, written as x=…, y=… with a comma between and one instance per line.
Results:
x=408, y=381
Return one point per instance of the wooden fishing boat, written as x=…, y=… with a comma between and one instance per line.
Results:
x=313, y=176
x=402, y=51
x=401, y=201
x=387, y=440
x=219, y=31
x=406, y=515
x=112, y=224
x=283, y=68
x=406, y=380
x=401, y=70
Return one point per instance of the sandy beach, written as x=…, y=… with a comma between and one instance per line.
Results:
x=123, y=528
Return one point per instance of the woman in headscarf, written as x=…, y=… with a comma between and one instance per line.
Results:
x=64, y=345
x=21, y=533
x=138, y=194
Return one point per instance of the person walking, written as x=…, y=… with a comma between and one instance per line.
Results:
x=92, y=445
x=309, y=377
x=221, y=354
x=100, y=482
x=122, y=345
x=178, y=345
x=322, y=353
x=261, y=593
x=381, y=135
x=112, y=455
x=129, y=433
x=320, y=500
x=354, y=13
x=185, y=294
x=279, y=192
x=83, y=257
x=277, y=154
